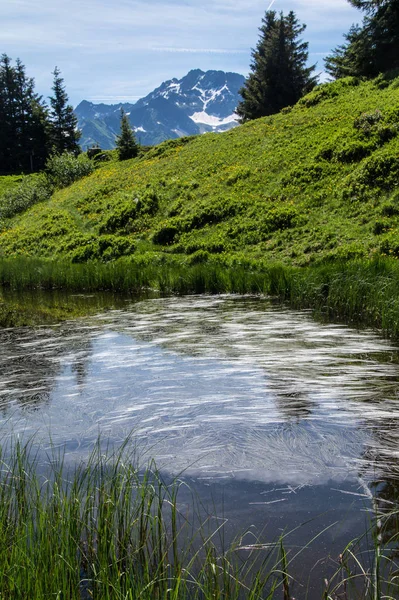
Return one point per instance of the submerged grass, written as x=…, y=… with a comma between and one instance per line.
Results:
x=106, y=530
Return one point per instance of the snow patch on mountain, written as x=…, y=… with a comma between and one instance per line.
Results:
x=205, y=119
x=197, y=103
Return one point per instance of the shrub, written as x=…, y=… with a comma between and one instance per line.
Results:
x=165, y=234
x=64, y=169
x=199, y=257
x=380, y=226
x=303, y=175
x=105, y=248
x=148, y=203
x=168, y=147
x=33, y=189
x=120, y=217
x=240, y=173
x=379, y=172
x=366, y=121
x=354, y=151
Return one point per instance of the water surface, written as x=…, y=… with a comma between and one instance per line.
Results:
x=275, y=418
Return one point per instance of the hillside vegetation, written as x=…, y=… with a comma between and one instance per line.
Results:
x=316, y=182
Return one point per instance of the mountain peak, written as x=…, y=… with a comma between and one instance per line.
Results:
x=200, y=101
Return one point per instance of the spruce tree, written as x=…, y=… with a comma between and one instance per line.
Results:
x=279, y=75
x=23, y=121
x=65, y=134
x=126, y=144
x=372, y=48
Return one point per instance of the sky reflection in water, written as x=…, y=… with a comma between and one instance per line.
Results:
x=218, y=386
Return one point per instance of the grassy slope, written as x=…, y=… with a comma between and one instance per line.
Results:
x=297, y=187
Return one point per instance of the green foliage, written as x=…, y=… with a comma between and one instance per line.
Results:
x=367, y=121
x=300, y=187
x=64, y=169
x=378, y=173
x=103, y=247
x=64, y=132
x=24, y=124
x=126, y=144
x=166, y=233
x=372, y=48
x=168, y=147
x=279, y=75
x=32, y=189
x=353, y=151
x=328, y=91
x=8, y=182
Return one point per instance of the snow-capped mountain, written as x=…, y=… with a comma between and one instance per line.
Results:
x=197, y=103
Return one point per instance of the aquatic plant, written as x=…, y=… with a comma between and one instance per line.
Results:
x=105, y=529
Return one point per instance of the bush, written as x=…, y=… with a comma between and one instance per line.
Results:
x=366, y=121
x=353, y=151
x=33, y=189
x=105, y=248
x=379, y=172
x=64, y=169
x=120, y=217
x=165, y=235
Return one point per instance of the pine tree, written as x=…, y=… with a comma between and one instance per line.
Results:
x=65, y=134
x=23, y=121
x=279, y=75
x=126, y=144
x=372, y=48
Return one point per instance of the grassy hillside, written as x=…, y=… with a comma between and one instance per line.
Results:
x=316, y=182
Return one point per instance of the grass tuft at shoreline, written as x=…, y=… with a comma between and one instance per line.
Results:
x=105, y=530
x=360, y=292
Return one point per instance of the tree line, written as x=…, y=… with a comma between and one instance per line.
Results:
x=31, y=130
x=279, y=74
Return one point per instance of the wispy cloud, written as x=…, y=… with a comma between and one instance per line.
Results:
x=128, y=47
x=178, y=50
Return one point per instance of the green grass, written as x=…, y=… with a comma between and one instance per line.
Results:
x=316, y=182
x=105, y=530
x=361, y=292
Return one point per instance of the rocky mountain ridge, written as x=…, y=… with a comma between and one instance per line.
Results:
x=197, y=103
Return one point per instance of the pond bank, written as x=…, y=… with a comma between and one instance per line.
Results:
x=363, y=292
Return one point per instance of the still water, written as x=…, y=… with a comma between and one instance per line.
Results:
x=275, y=419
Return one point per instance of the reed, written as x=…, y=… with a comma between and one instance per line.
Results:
x=105, y=529
x=362, y=292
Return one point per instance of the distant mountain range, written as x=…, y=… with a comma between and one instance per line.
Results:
x=197, y=103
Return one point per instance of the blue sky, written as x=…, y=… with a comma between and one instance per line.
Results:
x=120, y=50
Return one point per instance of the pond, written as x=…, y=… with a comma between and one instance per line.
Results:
x=278, y=422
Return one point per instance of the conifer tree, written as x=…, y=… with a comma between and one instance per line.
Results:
x=126, y=144
x=372, y=48
x=23, y=121
x=65, y=134
x=279, y=75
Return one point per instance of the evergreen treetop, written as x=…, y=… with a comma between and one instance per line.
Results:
x=279, y=75
x=126, y=144
x=23, y=121
x=65, y=134
x=372, y=48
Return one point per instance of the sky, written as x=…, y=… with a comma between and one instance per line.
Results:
x=120, y=50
